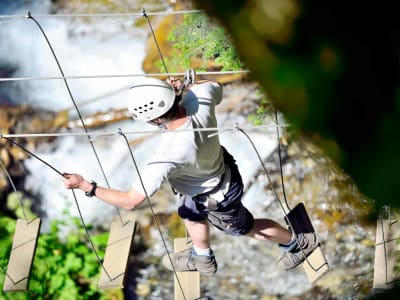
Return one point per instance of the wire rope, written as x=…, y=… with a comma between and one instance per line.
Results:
x=73, y=193
x=384, y=244
x=280, y=160
x=9, y=276
x=152, y=210
x=74, y=103
x=15, y=191
x=279, y=200
x=95, y=134
x=166, y=13
x=315, y=269
x=207, y=73
x=144, y=14
x=23, y=212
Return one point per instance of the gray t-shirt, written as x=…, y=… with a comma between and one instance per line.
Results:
x=191, y=161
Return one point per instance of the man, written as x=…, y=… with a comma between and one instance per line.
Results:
x=200, y=170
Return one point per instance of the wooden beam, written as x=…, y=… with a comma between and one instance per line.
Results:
x=189, y=281
x=21, y=256
x=116, y=257
x=386, y=246
x=315, y=265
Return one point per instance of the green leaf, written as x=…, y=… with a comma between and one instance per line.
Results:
x=72, y=262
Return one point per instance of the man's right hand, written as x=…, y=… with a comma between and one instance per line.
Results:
x=73, y=181
x=175, y=83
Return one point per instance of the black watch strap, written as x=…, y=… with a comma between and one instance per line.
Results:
x=92, y=192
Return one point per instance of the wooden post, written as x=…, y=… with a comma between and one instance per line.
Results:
x=119, y=247
x=386, y=246
x=189, y=281
x=315, y=265
x=21, y=256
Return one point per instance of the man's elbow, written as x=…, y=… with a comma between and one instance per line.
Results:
x=130, y=205
x=134, y=199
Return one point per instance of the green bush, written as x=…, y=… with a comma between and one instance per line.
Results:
x=63, y=268
x=201, y=39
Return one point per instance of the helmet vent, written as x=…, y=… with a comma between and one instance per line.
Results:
x=150, y=98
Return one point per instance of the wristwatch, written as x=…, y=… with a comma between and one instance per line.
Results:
x=92, y=192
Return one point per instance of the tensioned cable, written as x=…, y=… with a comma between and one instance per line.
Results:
x=384, y=245
x=284, y=194
x=156, y=131
x=23, y=212
x=15, y=191
x=144, y=14
x=278, y=199
x=166, y=13
x=264, y=168
x=9, y=276
x=73, y=101
x=208, y=73
x=280, y=159
x=384, y=241
x=73, y=193
x=32, y=154
x=152, y=211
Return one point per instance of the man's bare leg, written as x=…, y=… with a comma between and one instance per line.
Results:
x=269, y=230
x=199, y=233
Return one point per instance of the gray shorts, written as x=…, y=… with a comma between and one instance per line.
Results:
x=230, y=215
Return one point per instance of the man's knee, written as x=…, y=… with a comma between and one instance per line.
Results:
x=239, y=224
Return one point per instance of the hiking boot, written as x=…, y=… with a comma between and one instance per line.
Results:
x=188, y=260
x=307, y=242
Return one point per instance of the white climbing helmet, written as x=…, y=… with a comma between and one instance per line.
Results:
x=150, y=98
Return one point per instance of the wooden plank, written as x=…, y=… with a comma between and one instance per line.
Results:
x=21, y=256
x=387, y=236
x=315, y=266
x=116, y=257
x=190, y=281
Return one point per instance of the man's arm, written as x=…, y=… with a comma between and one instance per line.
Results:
x=126, y=200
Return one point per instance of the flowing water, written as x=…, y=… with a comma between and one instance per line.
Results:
x=98, y=46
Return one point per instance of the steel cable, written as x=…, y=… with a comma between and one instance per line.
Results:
x=73, y=101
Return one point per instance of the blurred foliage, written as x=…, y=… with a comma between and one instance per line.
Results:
x=197, y=41
x=333, y=71
x=20, y=205
x=264, y=109
x=63, y=268
x=175, y=225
